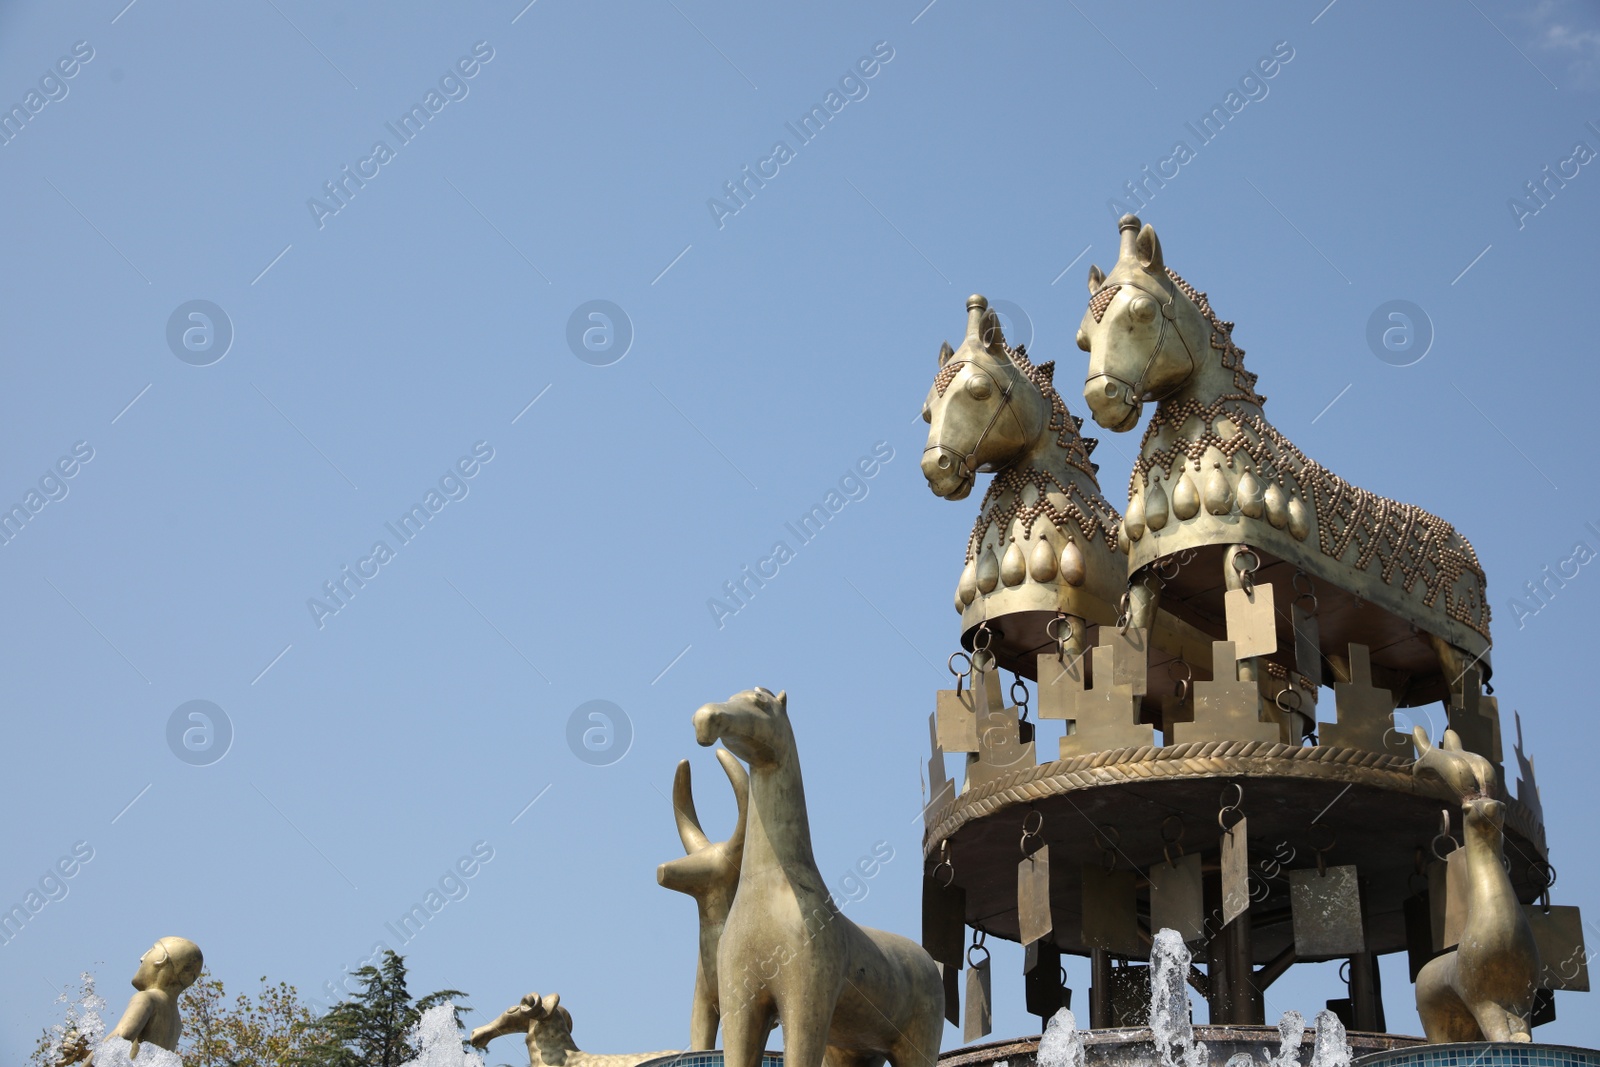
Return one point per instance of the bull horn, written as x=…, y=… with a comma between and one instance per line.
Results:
x=741, y=794
x=689, y=832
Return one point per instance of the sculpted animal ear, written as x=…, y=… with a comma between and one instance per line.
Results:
x=1420, y=736
x=1097, y=278
x=783, y=702
x=1148, y=245
x=1452, y=741
x=550, y=1003
x=945, y=352
x=994, y=337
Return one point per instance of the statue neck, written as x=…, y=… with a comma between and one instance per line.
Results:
x=1212, y=382
x=777, y=830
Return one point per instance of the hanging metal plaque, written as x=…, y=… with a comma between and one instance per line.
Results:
x=1001, y=750
x=1235, y=872
x=1252, y=620
x=1326, y=908
x=1061, y=685
x=1456, y=887
x=980, y=1013
x=1043, y=989
x=1307, y=642
x=1438, y=889
x=1559, y=935
x=1033, y=896
x=1419, y=932
x=940, y=786
x=1129, y=654
x=949, y=974
x=944, y=918
x=1177, y=897
x=956, y=729
x=1110, y=911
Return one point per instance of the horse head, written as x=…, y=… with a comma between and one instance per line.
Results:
x=753, y=724
x=984, y=410
x=1144, y=335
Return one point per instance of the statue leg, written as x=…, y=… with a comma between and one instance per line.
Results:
x=804, y=1016
x=744, y=1032
x=703, y=1016
x=918, y=1045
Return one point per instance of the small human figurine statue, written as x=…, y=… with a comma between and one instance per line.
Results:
x=165, y=971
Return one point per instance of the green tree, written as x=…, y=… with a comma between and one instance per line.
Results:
x=372, y=1028
x=268, y=1030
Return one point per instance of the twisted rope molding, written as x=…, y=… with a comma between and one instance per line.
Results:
x=1248, y=759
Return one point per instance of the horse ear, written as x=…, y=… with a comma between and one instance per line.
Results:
x=1452, y=741
x=1097, y=278
x=551, y=1002
x=1148, y=246
x=945, y=352
x=783, y=701
x=994, y=337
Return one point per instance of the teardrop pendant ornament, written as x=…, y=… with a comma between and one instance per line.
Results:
x=967, y=588
x=1186, y=498
x=1219, y=493
x=1013, y=568
x=988, y=571
x=1155, y=505
x=1277, y=505
x=1042, y=561
x=1299, y=519
x=1073, y=568
x=1133, y=521
x=1252, y=499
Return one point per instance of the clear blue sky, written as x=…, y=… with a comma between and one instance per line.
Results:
x=374, y=346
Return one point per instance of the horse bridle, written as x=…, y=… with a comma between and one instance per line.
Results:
x=965, y=468
x=1169, y=314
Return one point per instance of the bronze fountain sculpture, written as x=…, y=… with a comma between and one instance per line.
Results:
x=852, y=995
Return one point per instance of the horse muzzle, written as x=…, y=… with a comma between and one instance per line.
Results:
x=946, y=472
x=1112, y=403
x=708, y=724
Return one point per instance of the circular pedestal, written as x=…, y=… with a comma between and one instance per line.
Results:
x=1133, y=1047
x=1483, y=1054
x=1371, y=808
x=708, y=1058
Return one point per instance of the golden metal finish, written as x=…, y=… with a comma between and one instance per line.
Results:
x=169, y=967
x=1483, y=989
x=786, y=952
x=1110, y=912
x=1177, y=897
x=1233, y=478
x=709, y=873
x=1366, y=713
x=1226, y=709
x=547, y=1029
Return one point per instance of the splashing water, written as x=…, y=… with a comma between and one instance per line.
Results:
x=116, y=1052
x=1291, y=1033
x=438, y=1040
x=1170, y=1025
x=1062, y=1043
x=1332, y=1048
x=83, y=1026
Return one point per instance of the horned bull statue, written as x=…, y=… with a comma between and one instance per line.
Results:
x=854, y=995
